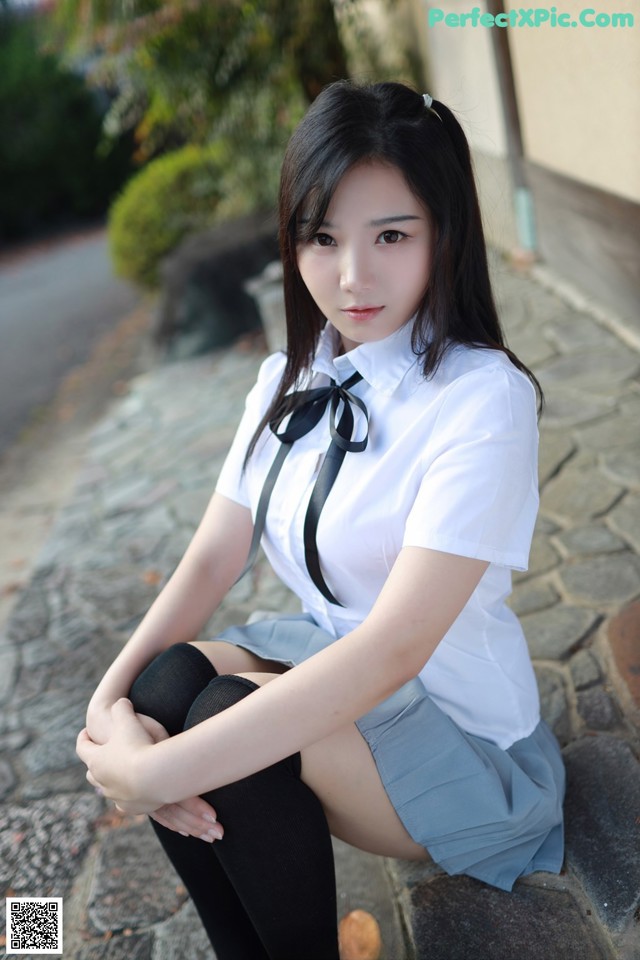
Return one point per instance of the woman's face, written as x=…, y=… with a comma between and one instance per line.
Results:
x=368, y=267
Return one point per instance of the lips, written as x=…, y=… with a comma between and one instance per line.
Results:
x=361, y=314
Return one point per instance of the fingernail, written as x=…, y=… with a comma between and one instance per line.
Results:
x=206, y=837
x=209, y=817
x=215, y=832
x=182, y=833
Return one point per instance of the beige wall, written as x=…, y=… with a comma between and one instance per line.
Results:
x=578, y=89
x=463, y=75
x=579, y=97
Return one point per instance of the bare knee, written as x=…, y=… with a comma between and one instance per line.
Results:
x=228, y=658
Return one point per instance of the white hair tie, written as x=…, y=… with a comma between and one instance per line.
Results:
x=427, y=100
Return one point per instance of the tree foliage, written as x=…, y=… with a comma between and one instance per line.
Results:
x=188, y=71
x=52, y=167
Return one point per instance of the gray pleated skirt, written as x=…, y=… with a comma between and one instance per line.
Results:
x=479, y=810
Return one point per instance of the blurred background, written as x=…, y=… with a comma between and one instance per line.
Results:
x=140, y=145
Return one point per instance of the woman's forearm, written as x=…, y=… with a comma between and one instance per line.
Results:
x=326, y=692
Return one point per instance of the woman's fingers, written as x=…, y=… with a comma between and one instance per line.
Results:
x=192, y=818
x=153, y=728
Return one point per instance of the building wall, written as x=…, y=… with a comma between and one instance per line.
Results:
x=578, y=94
x=579, y=97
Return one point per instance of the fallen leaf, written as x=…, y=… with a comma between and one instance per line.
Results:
x=359, y=936
x=152, y=577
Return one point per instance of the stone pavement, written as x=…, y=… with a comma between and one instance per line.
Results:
x=146, y=478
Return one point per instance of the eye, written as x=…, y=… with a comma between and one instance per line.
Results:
x=391, y=236
x=322, y=240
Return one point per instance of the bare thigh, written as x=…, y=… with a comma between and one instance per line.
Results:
x=228, y=658
x=341, y=771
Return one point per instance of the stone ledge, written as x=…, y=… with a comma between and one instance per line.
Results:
x=602, y=824
x=457, y=918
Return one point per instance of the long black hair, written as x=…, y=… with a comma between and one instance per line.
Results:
x=389, y=123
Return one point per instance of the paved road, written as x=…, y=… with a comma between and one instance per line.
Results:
x=56, y=300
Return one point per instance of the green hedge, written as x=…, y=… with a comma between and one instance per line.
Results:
x=175, y=195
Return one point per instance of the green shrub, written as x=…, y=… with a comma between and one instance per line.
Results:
x=175, y=195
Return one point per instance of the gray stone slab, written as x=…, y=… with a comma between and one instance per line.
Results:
x=124, y=496
x=42, y=844
x=117, y=595
x=630, y=405
x=601, y=811
x=590, y=367
x=551, y=634
x=625, y=520
x=554, y=706
x=623, y=466
x=542, y=558
x=11, y=742
x=606, y=581
x=545, y=524
x=555, y=449
x=188, y=506
x=54, y=719
x=578, y=493
x=52, y=783
x=134, y=884
x=566, y=407
x=597, y=710
x=7, y=778
x=8, y=671
x=611, y=433
x=532, y=595
x=30, y=616
x=532, y=349
x=576, y=331
x=137, y=946
x=456, y=918
x=585, y=670
x=70, y=630
x=589, y=540
x=182, y=937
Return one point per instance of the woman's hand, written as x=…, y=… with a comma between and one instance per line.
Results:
x=111, y=764
x=114, y=767
x=193, y=817
x=99, y=724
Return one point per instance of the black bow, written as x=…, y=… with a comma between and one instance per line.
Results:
x=306, y=408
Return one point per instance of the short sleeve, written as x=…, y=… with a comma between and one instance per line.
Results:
x=232, y=479
x=478, y=496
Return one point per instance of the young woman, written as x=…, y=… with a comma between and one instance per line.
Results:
x=388, y=463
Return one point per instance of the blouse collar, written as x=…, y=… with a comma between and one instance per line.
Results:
x=382, y=363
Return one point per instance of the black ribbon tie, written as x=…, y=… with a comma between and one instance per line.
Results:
x=305, y=409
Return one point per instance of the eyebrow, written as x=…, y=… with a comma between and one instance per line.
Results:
x=382, y=222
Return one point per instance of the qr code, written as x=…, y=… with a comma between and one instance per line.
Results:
x=34, y=925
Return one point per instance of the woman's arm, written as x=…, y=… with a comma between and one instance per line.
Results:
x=210, y=566
x=423, y=595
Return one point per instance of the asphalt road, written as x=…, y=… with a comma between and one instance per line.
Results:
x=56, y=300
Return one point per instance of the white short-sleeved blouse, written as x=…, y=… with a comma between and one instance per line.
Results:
x=451, y=465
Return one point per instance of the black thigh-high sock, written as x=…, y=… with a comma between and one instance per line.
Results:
x=276, y=848
x=166, y=690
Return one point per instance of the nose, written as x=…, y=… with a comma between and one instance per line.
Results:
x=356, y=272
